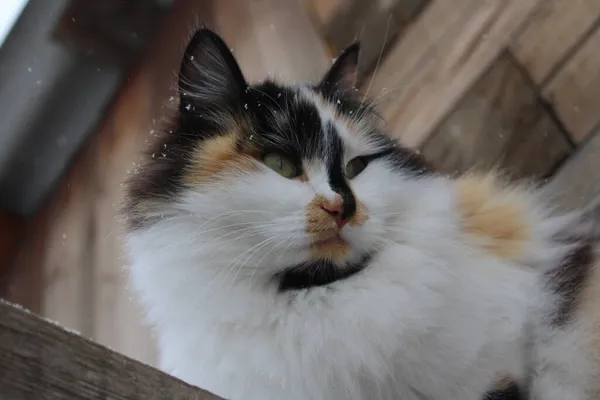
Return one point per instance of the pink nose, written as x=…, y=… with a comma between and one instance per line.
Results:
x=335, y=208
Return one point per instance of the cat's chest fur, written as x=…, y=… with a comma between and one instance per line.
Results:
x=408, y=324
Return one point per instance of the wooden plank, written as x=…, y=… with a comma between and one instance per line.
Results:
x=42, y=360
x=551, y=32
x=442, y=54
x=575, y=89
x=498, y=124
x=283, y=38
x=577, y=183
x=11, y=230
x=324, y=11
x=117, y=318
x=377, y=24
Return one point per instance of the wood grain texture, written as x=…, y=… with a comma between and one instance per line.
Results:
x=498, y=124
x=575, y=89
x=577, y=183
x=11, y=229
x=272, y=37
x=43, y=361
x=552, y=32
x=439, y=58
x=377, y=24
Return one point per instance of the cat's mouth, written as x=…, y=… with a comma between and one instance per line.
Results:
x=328, y=239
x=329, y=245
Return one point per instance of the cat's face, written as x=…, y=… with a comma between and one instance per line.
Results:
x=292, y=182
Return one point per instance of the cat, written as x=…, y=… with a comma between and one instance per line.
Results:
x=285, y=247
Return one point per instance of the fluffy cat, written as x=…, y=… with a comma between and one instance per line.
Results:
x=286, y=248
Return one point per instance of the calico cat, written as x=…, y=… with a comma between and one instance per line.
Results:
x=286, y=248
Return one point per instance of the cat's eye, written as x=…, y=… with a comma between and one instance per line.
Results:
x=355, y=167
x=281, y=164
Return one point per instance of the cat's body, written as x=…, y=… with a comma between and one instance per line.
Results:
x=274, y=265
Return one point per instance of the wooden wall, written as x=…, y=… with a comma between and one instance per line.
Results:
x=495, y=83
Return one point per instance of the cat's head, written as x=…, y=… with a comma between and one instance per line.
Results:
x=293, y=183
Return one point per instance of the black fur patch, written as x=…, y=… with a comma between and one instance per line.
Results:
x=507, y=391
x=318, y=273
x=567, y=281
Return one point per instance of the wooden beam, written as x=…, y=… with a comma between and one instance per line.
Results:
x=377, y=24
x=11, y=230
x=577, y=183
x=441, y=56
x=551, y=34
x=499, y=123
x=575, y=89
x=40, y=359
x=116, y=29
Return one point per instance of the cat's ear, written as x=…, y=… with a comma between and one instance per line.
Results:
x=343, y=74
x=209, y=75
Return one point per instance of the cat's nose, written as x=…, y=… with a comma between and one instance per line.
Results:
x=335, y=208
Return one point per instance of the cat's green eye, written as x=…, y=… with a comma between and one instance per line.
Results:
x=281, y=164
x=355, y=167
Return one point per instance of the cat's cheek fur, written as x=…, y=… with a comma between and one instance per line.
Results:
x=250, y=214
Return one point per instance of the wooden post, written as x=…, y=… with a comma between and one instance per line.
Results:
x=42, y=360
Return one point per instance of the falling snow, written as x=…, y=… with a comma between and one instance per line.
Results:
x=188, y=107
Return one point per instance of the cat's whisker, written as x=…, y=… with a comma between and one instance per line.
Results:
x=259, y=262
x=232, y=262
x=253, y=250
x=365, y=96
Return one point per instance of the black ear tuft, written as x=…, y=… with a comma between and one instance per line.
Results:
x=209, y=75
x=343, y=73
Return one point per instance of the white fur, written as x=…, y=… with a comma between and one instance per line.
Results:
x=433, y=316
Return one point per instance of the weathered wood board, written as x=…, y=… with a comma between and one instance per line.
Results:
x=41, y=360
x=440, y=57
x=377, y=24
x=11, y=229
x=577, y=183
x=499, y=123
x=575, y=89
x=552, y=32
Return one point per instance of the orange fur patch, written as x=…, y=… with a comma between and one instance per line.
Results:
x=493, y=213
x=217, y=155
x=334, y=251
